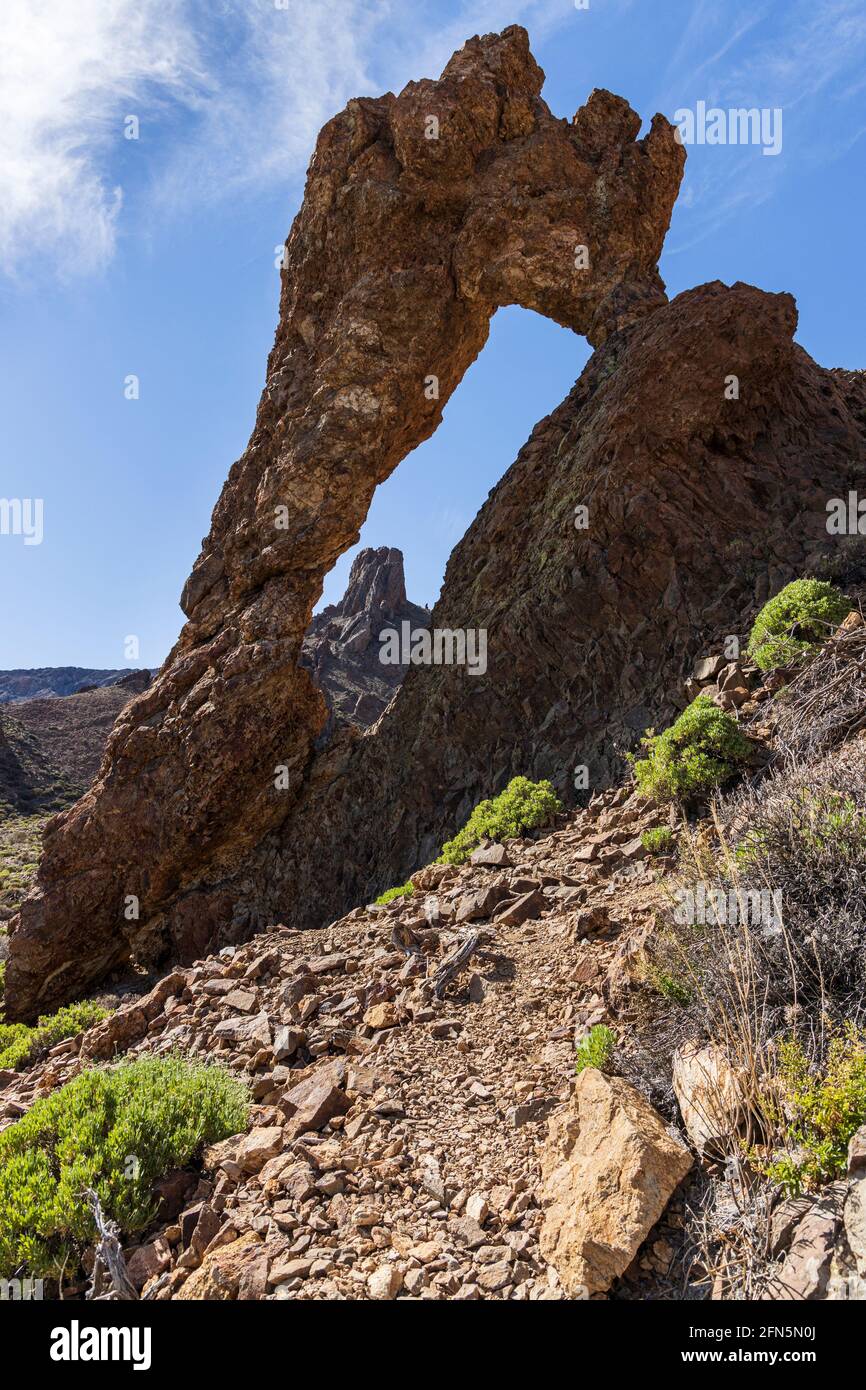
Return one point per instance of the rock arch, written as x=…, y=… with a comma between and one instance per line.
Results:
x=403, y=248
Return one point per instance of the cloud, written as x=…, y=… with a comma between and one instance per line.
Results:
x=237, y=88
x=291, y=69
x=67, y=73
x=806, y=59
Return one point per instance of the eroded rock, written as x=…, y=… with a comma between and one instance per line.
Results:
x=608, y=1172
x=402, y=250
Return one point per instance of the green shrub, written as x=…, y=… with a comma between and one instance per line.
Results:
x=795, y=622
x=117, y=1131
x=404, y=891
x=20, y=1044
x=658, y=840
x=596, y=1049
x=668, y=985
x=702, y=749
x=820, y=823
x=818, y=1111
x=523, y=805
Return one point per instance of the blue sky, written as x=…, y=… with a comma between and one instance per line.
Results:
x=156, y=256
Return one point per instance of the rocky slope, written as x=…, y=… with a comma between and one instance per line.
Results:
x=342, y=650
x=418, y=1131
x=398, y=1138
x=404, y=247
x=51, y=748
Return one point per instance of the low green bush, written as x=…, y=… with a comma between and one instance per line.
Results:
x=669, y=985
x=701, y=750
x=116, y=1131
x=523, y=805
x=20, y=1043
x=795, y=622
x=404, y=891
x=658, y=840
x=596, y=1049
x=817, y=1110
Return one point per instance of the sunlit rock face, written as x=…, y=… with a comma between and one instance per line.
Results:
x=413, y=231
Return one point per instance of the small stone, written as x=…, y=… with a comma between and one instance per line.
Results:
x=477, y=1208
x=492, y=855
x=240, y=999
x=287, y=1042
x=384, y=1283
x=382, y=1016
x=523, y=909
x=258, y=1146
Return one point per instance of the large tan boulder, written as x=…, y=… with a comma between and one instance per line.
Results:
x=711, y=1096
x=608, y=1172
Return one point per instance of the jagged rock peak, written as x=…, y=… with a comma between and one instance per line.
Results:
x=376, y=581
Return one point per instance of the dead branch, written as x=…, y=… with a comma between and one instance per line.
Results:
x=454, y=962
x=110, y=1281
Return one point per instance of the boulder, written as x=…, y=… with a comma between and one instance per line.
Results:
x=711, y=1096
x=609, y=1169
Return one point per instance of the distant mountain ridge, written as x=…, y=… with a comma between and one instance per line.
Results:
x=47, y=682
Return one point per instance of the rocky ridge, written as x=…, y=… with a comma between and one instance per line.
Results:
x=45, y=682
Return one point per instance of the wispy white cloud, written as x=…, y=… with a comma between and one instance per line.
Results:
x=66, y=72
x=805, y=58
x=248, y=83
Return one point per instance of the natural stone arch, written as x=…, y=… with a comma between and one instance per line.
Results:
x=403, y=248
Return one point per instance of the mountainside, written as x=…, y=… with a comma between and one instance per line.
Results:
x=42, y=682
x=698, y=504
x=402, y=251
x=513, y=951
x=417, y=1129
x=51, y=748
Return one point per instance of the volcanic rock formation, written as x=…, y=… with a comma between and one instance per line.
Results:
x=342, y=650
x=701, y=440
x=422, y=214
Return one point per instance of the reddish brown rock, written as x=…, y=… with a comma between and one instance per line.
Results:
x=700, y=505
x=403, y=249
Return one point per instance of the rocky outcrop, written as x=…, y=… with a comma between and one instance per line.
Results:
x=698, y=506
x=342, y=648
x=609, y=1171
x=423, y=213
x=684, y=478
